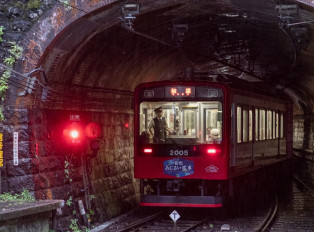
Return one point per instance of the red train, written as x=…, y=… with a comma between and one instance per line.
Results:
x=193, y=138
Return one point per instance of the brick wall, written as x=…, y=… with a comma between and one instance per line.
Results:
x=299, y=132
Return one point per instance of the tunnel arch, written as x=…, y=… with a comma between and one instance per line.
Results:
x=63, y=43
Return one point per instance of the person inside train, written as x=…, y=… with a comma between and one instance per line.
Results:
x=208, y=134
x=158, y=127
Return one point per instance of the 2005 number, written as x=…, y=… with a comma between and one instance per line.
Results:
x=179, y=152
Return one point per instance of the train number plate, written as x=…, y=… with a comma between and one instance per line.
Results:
x=179, y=152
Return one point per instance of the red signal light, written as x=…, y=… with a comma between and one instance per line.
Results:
x=74, y=134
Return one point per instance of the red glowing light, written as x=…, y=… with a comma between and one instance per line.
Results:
x=126, y=125
x=173, y=91
x=74, y=134
x=211, y=151
x=180, y=91
x=148, y=150
x=188, y=91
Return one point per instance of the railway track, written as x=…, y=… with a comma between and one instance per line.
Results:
x=157, y=222
x=296, y=212
x=270, y=217
x=293, y=212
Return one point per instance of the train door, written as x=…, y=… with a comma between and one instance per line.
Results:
x=189, y=119
x=212, y=122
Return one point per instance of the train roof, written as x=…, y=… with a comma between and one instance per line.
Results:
x=231, y=82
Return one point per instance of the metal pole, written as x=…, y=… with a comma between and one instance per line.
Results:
x=86, y=186
x=85, y=180
x=175, y=227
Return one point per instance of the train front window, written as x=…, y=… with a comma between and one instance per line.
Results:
x=183, y=123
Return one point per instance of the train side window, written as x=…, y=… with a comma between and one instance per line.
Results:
x=250, y=125
x=277, y=125
x=262, y=125
x=239, y=124
x=256, y=124
x=245, y=124
x=213, y=122
x=269, y=125
x=281, y=125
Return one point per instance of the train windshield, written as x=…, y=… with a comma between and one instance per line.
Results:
x=185, y=123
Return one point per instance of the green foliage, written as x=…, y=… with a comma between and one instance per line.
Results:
x=66, y=4
x=9, y=61
x=15, y=51
x=91, y=212
x=69, y=201
x=24, y=196
x=76, y=228
x=1, y=33
x=33, y=4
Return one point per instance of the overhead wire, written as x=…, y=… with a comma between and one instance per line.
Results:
x=142, y=35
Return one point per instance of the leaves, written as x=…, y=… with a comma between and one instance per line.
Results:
x=9, y=61
x=69, y=201
x=24, y=196
x=16, y=52
x=1, y=33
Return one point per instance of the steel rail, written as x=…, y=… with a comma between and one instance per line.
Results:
x=304, y=184
x=269, y=217
x=195, y=225
x=139, y=222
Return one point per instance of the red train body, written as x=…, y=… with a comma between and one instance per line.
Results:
x=214, y=133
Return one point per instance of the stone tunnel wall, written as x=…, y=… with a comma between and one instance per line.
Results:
x=303, y=129
x=49, y=172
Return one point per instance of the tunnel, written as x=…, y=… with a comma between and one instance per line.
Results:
x=80, y=61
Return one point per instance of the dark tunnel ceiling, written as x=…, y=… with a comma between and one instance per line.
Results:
x=240, y=38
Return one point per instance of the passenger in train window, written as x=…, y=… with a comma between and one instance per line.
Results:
x=212, y=135
x=215, y=134
x=209, y=135
x=158, y=127
x=144, y=137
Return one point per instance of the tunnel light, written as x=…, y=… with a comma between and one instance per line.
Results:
x=130, y=10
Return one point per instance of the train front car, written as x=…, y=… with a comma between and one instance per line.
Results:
x=181, y=143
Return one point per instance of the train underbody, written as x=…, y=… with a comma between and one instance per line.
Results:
x=182, y=193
